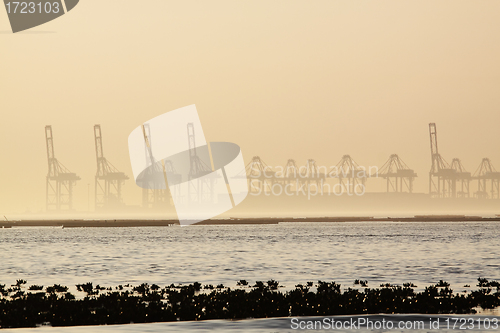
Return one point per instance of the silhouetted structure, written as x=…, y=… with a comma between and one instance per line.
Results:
x=349, y=173
x=108, y=180
x=462, y=178
x=202, y=189
x=59, y=181
x=291, y=172
x=487, y=175
x=173, y=175
x=442, y=178
x=260, y=176
x=312, y=174
x=398, y=175
x=154, y=195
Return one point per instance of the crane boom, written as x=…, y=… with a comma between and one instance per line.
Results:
x=50, y=143
x=98, y=142
x=434, y=145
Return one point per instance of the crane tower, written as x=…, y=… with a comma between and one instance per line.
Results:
x=442, y=178
x=59, y=180
x=108, y=180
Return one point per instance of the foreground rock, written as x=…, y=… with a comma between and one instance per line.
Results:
x=54, y=305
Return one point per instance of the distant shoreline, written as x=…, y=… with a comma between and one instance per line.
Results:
x=81, y=223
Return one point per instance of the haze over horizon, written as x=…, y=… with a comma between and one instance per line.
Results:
x=282, y=79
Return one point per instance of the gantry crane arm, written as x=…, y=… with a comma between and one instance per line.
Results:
x=438, y=163
x=50, y=142
x=54, y=167
x=98, y=142
x=103, y=167
x=147, y=140
x=433, y=137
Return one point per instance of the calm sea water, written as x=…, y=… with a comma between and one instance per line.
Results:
x=292, y=253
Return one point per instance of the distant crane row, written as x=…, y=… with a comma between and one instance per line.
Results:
x=445, y=180
x=350, y=174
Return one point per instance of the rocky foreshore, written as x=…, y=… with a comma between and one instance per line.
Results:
x=23, y=306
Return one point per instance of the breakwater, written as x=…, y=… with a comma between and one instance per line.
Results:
x=120, y=223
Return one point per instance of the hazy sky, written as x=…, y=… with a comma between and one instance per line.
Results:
x=283, y=79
